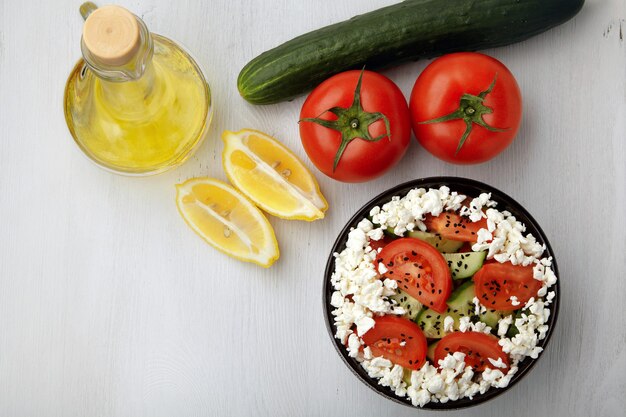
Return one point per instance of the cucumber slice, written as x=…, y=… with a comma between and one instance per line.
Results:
x=431, y=323
x=465, y=264
x=406, y=376
x=410, y=304
x=459, y=305
x=491, y=317
x=389, y=232
x=513, y=330
x=430, y=353
x=461, y=298
x=441, y=244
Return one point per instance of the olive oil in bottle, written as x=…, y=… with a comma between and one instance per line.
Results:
x=137, y=103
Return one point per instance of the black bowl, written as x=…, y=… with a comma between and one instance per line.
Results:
x=470, y=188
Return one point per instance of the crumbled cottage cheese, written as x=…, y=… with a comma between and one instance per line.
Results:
x=360, y=294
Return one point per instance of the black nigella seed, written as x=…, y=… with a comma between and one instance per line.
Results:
x=413, y=253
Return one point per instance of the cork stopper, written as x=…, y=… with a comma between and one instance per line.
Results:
x=111, y=34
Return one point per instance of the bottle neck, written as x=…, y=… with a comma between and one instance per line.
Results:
x=133, y=69
x=132, y=89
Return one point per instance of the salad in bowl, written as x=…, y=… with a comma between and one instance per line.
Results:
x=440, y=293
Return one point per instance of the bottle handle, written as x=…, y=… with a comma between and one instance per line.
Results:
x=86, y=9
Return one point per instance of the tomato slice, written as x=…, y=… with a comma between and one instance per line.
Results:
x=421, y=271
x=453, y=226
x=381, y=243
x=399, y=340
x=478, y=347
x=495, y=284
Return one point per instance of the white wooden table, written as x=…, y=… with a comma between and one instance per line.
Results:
x=111, y=306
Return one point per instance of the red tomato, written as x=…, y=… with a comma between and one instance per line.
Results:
x=389, y=334
x=458, y=85
x=495, y=284
x=477, y=348
x=453, y=226
x=378, y=244
x=369, y=148
x=421, y=271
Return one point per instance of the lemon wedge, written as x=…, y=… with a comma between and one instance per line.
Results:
x=271, y=176
x=227, y=220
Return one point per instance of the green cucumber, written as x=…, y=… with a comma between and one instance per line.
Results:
x=491, y=317
x=430, y=353
x=406, y=376
x=441, y=244
x=513, y=330
x=402, y=32
x=460, y=304
x=410, y=304
x=389, y=232
x=465, y=264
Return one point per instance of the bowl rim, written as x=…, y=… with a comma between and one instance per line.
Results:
x=505, y=202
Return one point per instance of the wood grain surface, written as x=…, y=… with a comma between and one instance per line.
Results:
x=111, y=306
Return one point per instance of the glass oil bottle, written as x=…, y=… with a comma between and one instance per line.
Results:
x=137, y=103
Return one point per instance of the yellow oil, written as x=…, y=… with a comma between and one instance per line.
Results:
x=144, y=126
